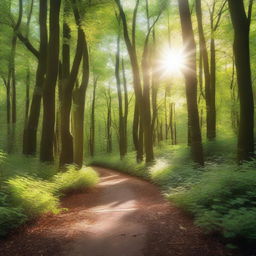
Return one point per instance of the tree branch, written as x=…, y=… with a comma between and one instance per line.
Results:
x=28, y=45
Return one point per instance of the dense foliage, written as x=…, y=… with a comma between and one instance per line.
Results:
x=29, y=189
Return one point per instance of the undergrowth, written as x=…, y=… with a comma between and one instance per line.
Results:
x=32, y=189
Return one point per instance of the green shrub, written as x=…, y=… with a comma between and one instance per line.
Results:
x=28, y=194
x=35, y=196
x=10, y=218
x=171, y=176
x=224, y=201
x=221, y=150
x=127, y=165
x=26, y=166
x=74, y=179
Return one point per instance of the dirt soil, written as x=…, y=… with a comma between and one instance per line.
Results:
x=121, y=216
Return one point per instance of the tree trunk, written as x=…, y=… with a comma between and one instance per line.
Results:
x=47, y=139
x=109, y=121
x=135, y=71
x=146, y=107
x=242, y=61
x=92, y=127
x=79, y=94
x=211, y=128
x=27, y=95
x=191, y=82
x=135, y=126
x=30, y=131
x=126, y=108
x=66, y=154
x=121, y=128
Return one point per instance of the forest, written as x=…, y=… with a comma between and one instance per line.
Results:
x=127, y=127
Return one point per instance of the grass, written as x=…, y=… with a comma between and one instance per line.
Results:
x=31, y=189
x=127, y=165
x=221, y=196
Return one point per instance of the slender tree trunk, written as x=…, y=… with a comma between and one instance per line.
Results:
x=109, y=121
x=126, y=108
x=30, y=131
x=211, y=126
x=92, y=127
x=79, y=94
x=212, y=112
x=27, y=95
x=13, y=78
x=28, y=68
x=12, y=61
x=135, y=127
x=47, y=139
x=140, y=152
x=191, y=82
x=8, y=101
x=242, y=60
x=146, y=109
x=154, y=89
x=121, y=128
x=174, y=125
x=171, y=122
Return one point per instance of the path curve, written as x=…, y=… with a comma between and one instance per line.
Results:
x=121, y=216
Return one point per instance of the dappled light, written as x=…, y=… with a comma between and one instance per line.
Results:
x=127, y=127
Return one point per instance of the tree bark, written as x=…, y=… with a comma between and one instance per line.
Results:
x=126, y=108
x=109, y=121
x=121, y=128
x=47, y=139
x=30, y=131
x=191, y=82
x=242, y=60
x=92, y=125
x=79, y=94
x=135, y=67
x=66, y=154
x=210, y=112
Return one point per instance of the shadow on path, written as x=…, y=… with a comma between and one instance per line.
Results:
x=121, y=216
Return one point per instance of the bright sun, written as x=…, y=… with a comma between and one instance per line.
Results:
x=172, y=62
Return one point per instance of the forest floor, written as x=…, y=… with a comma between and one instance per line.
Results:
x=121, y=216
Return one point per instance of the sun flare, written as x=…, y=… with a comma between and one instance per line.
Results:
x=172, y=62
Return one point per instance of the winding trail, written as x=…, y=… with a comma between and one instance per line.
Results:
x=121, y=216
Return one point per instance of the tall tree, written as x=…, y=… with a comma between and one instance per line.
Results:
x=12, y=68
x=241, y=25
x=30, y=131
x=121, y=128
x=66, y=154
x=108, y=97
x=92, y=124
x=131, y=47
x=211, y=125
x=191, y=82
x=47, y=139
x=78, y=109
x=141, y=82
x=126, y=107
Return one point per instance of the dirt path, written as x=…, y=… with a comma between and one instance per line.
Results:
x=121, y=216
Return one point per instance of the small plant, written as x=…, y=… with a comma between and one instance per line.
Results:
x=74, y=179
x=224, y=201
x=29, y=189
x=10, y=218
